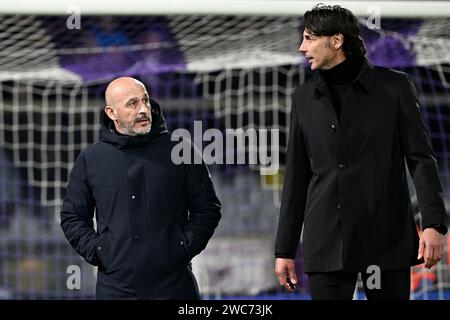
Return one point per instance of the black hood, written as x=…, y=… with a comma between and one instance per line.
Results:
x=109, y=135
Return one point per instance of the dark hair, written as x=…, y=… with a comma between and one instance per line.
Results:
x=325, y=20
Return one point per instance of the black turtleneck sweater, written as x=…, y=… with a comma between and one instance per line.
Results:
x=339, y=78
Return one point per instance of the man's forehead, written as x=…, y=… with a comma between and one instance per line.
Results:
x=130, y=92
x=307, y=33
x=124, y=88
x=136, y=90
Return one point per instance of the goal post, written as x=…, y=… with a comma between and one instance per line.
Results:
x=403, y=9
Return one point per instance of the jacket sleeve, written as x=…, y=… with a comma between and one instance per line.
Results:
x=78, y=211
x=296, y=182
x=203, y=206
x=420, y=157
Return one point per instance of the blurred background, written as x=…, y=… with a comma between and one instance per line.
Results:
x=229, y=66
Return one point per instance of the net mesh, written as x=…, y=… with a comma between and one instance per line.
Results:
x=226, y=71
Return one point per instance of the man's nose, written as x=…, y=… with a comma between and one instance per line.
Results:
x=302, y=48
x=144, y=108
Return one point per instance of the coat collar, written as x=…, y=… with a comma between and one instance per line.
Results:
x=364, y=80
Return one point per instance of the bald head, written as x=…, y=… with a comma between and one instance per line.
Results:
x=128, y=106
x=120, y=88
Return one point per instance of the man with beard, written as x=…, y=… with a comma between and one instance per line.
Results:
x=152, y=216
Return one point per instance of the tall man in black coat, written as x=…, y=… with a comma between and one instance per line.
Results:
x=152, y=216
x=352, y=127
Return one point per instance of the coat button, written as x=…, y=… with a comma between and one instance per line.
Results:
x=342, y=166
x=135, y=236
x=99, y=248
x=132, y=197
x=338, y=206
x=182, y=242
x=333, y=128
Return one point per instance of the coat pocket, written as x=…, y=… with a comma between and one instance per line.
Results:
x=103, y=250
x=177, y=245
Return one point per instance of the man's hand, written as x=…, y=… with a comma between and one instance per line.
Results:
x=285, y=270
x=431, y=247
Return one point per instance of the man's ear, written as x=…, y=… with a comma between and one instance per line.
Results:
x=110, y=112
x=337, y=41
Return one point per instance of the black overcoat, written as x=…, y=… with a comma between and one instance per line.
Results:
x=346, y=180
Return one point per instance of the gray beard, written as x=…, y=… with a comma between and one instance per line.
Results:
x=130, y=132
